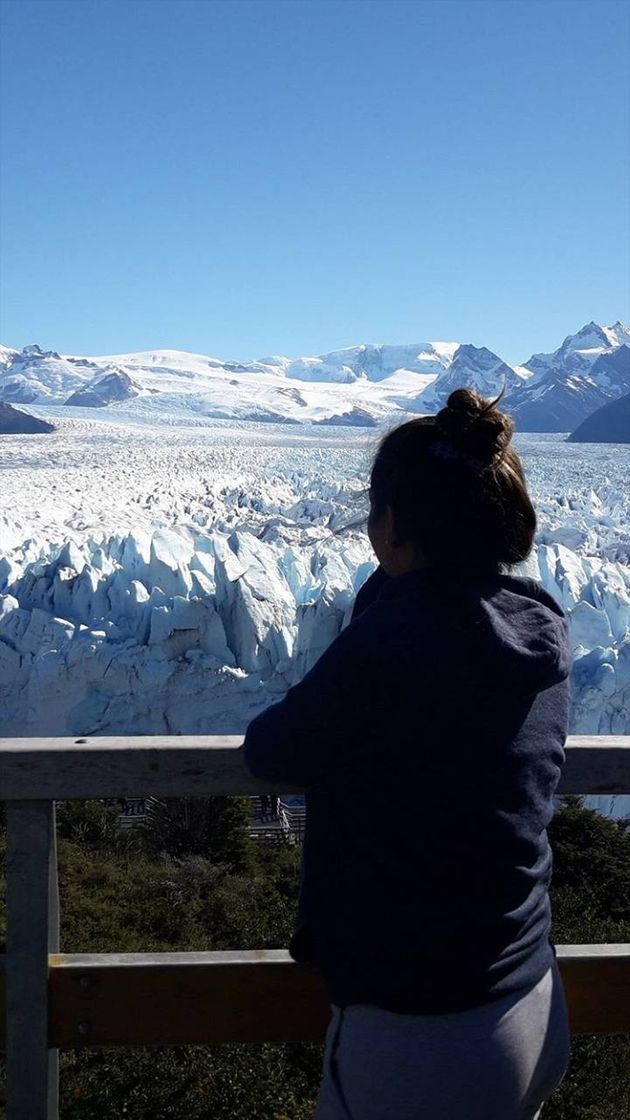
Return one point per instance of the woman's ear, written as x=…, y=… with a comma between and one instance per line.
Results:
x=390, y=527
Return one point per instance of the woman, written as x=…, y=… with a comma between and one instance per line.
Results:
x=429, y=739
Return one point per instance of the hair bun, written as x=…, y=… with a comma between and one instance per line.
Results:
x=474, y=426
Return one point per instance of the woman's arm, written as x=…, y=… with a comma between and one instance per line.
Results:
x=295, y=740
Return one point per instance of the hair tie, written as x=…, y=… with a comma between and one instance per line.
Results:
x=441, y=450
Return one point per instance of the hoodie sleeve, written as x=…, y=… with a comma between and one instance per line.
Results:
x=295, y=740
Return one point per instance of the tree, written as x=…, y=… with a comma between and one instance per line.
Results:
x=92, y=824
x=590, y=902
x=590, y=891
x=213, y=827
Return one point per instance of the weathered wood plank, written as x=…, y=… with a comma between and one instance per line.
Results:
x=133, y=766
x=32, y=934
x=262, y=996
x=200, y=766
x=193, y=998
x=597, y=986
x=596, y=764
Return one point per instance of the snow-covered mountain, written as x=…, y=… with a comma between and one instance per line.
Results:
x=580, y=351
x=115, y=386
x=589, y=369
x=360, y=385
x=40, y=375
x=375, y=363
x=7, y=356
x=476, y=368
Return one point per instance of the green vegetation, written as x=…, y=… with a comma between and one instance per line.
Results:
x=192, y=879
x=149, y=888
x=590, y=898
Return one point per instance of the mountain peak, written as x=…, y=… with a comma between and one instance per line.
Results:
x=590, y=337
x=35, y=351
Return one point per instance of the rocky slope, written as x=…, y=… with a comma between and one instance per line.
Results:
x=15, y=422
x=610, y=424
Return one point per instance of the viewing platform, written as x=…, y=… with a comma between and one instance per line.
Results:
x=68, y=1001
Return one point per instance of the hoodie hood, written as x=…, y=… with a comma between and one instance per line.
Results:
x=510, y=626
x=530, y=632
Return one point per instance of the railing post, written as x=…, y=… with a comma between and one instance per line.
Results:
x=32, y=933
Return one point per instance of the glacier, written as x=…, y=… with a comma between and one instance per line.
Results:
x=176, y=579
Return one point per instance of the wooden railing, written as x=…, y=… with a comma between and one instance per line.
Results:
x=65, y=1000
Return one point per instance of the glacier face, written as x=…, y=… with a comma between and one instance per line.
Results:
x=177, y=579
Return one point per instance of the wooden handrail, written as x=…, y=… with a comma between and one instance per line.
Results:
x=101, y=999
x=62, y=1000
x=207, y=765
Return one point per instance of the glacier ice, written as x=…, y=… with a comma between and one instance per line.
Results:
x=177, y=585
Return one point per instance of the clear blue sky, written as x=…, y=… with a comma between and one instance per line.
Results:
x=243, y=178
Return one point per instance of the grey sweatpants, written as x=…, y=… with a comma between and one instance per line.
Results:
x=500, y=1061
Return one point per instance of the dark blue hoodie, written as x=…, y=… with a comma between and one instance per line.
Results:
x=429, y=740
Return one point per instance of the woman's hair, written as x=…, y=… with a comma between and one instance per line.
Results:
x=456, y=486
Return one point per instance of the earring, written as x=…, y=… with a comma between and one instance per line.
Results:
x=387, y=541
